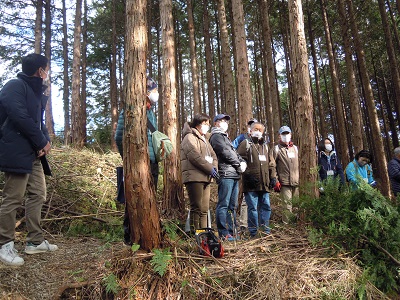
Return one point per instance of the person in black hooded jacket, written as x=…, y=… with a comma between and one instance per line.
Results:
x=230, y=166
x=24, y=142
x=328, y=163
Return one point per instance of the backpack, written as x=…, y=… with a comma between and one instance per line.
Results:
x=162, y=145
x=209, y=243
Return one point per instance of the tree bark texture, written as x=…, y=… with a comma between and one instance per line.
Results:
x=245, y=98
x=139, y=190
x=173, y=188
x=303, y=101
x=226, y=64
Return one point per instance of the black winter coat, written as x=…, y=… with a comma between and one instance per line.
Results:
x=22, y=130
x=394, y=175
x=333, y=164
x=228, y=159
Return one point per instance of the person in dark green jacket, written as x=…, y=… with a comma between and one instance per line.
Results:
x=152, y=98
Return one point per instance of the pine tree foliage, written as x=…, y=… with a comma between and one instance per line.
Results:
x=362, y=223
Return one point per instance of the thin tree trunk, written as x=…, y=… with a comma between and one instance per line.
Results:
x=342, y=147
x=38, y=26
x=76, y=78
x=139, y=191
x=303, y=101
x=245, y=98
x=113, y=77
x=321, y=110
x=393, y=65
x=355, y=110
x=47, y=52
x=379, y=157
x=193, y=60
x=67, y=129
x=227, y=79
x=209, y=64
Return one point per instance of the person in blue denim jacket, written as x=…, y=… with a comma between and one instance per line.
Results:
x=360, y=170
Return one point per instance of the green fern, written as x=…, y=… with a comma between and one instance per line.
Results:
x=111, y=284
x=161, y=260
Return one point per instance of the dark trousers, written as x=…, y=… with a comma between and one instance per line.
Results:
x=127, y=230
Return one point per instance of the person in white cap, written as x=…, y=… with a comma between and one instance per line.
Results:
x=286, y=156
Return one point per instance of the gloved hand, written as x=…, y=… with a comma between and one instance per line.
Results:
x=373, y=184
x=243, y=166
x=277, y=186
x=272, y=183
x=214, y=173
x=321, y=190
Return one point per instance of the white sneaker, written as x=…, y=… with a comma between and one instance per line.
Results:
x=9, y=255
x=43, y=247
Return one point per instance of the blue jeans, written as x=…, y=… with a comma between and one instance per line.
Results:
x=258, y=211
x=228, y=190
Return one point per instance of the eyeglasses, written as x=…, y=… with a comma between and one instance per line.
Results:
x=44, y=72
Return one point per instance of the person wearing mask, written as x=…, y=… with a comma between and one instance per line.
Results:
x=329, y=165
x=199, y=166
x=258, y=179
x=151, y=100
x=394, y=171
x=236, y=142
x=286, y=155
x=24, y=143
x=230, y=166
x=360, y=170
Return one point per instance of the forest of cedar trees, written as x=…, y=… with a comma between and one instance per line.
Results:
x=326, y=68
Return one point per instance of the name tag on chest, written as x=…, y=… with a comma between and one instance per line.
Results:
x=209, y=159
x=262, y=158
x=291, y=154
x=330, y=173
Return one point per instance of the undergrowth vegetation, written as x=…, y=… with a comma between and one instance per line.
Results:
x=361, y=223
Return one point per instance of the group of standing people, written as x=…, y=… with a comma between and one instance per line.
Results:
x=211, y=156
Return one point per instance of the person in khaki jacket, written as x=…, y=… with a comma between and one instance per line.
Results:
x=258, y=179
x=286, y=155
x=199, y=165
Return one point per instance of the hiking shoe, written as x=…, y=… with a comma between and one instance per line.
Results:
x=9, y=255
x=43, y=247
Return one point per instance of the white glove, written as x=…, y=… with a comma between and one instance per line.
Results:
x=243, y=166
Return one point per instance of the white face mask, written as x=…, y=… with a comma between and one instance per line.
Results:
x=256, y=134
x=153, y=96
x=223, y=126
x=328, y=147
x=204, y=129
x=286, y=137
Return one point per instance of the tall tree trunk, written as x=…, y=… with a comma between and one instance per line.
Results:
x=173, y=188
x=321, y=109
x=379, y=157
x=272, y=86
x=47, y=53
x=193, y=60
x=209, y=64
x=342, y=147
x=38, y=26
x=303, y=100
x=113, y=77
x=226, y=64
x=76, y=79
x=83, y=115
x=355, y=110
x=67, y=128
x=394, y=25
x=393, y=65
x=245, y=98
x=139, y=191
